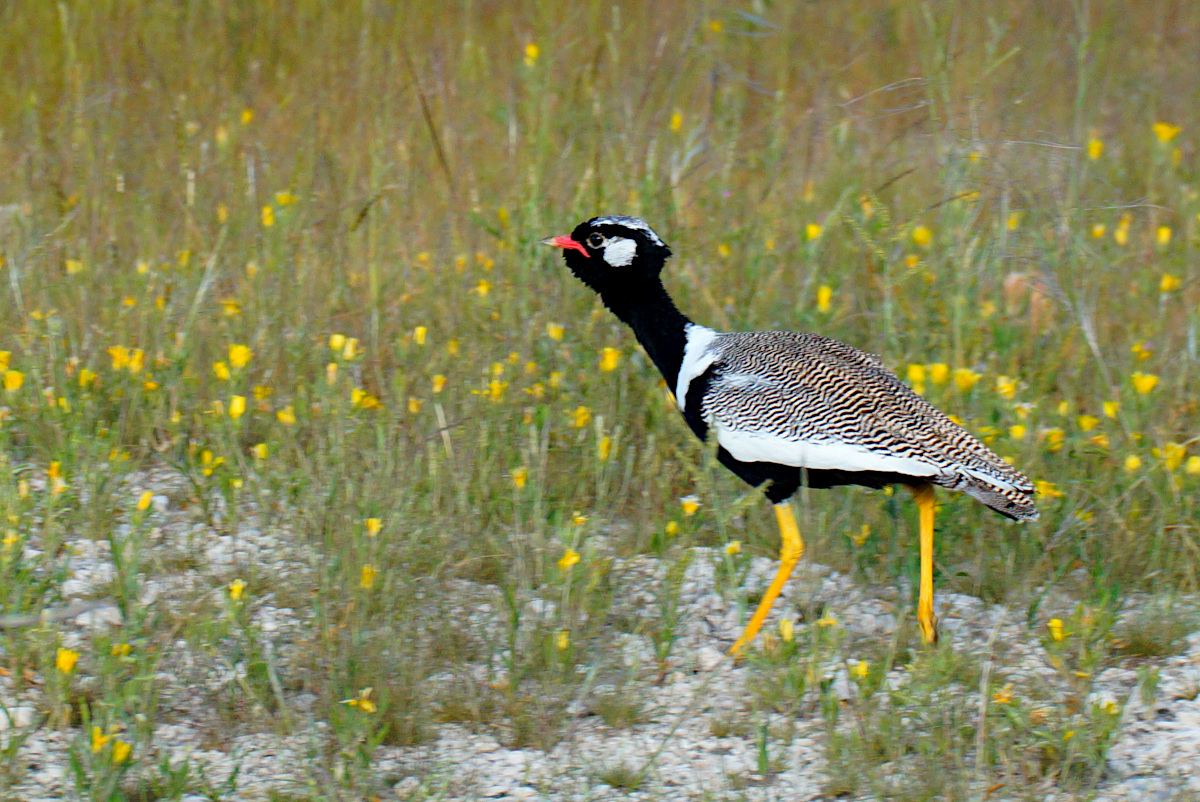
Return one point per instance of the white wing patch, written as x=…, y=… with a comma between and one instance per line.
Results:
x=697, y=356
x=619, y=251
x=817, y=455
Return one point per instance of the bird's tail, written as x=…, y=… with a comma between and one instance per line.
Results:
x=1011, y=502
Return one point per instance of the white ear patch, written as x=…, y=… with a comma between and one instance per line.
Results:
x=619, y=251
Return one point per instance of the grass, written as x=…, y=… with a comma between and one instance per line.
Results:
x=278, y=265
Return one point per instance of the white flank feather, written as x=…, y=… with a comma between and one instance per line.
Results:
x=818, y=455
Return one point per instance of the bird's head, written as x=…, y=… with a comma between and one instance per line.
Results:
x=613, y=252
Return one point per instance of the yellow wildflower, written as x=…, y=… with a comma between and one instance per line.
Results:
x=483, y=288
x=259, y=451
x=965, y=379
x=1004, y=695
x=1144, y=383
x=1098, y=230
x=922, y=236
x=939, y=372
x=916, y=378
x=672, y=527
x=1014, y=221
x=419, y=335
x=144, y=501
x=13, y=379
x=860, y=537
x=563, y=640
x=1111, y=408
x=121, y=751
x=812, y=231
x=366, y=579
x=1163, y=235
x=787, y=630
x=337, y=342
x=350, y=349
x=239, y=356
x=1121, y=232
x=1165, y=131
x=237, y=406
x=65, y=660
x=609, y=358
x=689, y=504
x=331, y=372
x=1132, y=463
x=119, y=355
x=362, y=701
x=1087, y=422
x=268, y=216
x=733, y=547
x=570, y=557
x=519, y=477
x=860, y=669
x=438, y=383
x=554, y=331
x=1100, y=441
x=287, y=415
x=237, y=589
x=581, y=417
x=1054, y=438
x=1168, y=282
x=604, y=448
x=99, y=740
x=373, y=526
x=414, y=405
x=1171, y=454
x=1006, y=387
x=1055, y=625
x=531, y=54
x=824, y=297
x=1017, y=431
x=1047, y=490
x=1192, y=467
x=676, y=121
x=1095, y=148
x=222, y=371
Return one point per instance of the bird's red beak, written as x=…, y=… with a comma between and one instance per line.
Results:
x=565, y=241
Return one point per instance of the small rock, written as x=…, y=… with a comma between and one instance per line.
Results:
x=406, y=787
x=708, y=658
x=16, y=717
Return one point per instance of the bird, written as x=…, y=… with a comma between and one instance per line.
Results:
x=791, y=409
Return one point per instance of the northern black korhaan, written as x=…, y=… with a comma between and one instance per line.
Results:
x=790, y=409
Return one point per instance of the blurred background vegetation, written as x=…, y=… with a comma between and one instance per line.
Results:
x=330, y=212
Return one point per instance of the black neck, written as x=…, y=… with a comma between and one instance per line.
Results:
x=656, y=322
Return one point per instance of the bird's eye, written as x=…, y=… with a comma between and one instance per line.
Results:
x=595, y=240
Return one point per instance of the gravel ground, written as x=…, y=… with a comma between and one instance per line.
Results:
x=1154, y=755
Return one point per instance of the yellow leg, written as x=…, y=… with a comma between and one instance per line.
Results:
x=789, y=554
x=923, y=494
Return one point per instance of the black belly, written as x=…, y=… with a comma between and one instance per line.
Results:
x=779, y=482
